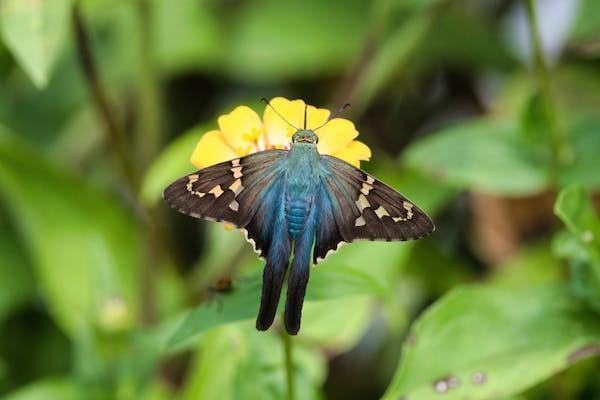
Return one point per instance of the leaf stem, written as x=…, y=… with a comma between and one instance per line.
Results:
x=560, y=146
x=289, y=365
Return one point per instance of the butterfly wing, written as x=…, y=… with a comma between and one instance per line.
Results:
x=353, y=205
x=240, y=192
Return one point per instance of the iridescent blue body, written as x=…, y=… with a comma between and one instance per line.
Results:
x=302, y=171
x=294, y=204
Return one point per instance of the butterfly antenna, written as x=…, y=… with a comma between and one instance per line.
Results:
x=334, y=115
x=305, y=112
x=280, y=116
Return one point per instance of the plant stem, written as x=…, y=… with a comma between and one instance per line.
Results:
x=289, y=365
x=115, y=136
x=559, y=141
x=155, y=237
x=150, y=128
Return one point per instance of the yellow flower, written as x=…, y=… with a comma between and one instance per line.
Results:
x=242, y=132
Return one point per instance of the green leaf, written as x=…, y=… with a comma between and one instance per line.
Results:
x=337, y=324
x=47, y=389
x=486, y=155
x=83, y=245
x=16, y=285
x=172, y=163
x=34, y=31
x=348, y=273
x=575, y=209
x=582, y=244
x=482, y=342
x=238, y=362
x=275, y=40
x=221, y=308
x=188, y=35
x=242, y=302
x=391, y=60
x=585, y=143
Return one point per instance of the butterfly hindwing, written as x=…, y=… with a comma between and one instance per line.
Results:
x=353, y=205
x=240, y=192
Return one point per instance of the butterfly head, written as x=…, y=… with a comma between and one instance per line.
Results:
x=305, y=136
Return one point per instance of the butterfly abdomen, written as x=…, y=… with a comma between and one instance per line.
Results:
x=296, y=213
x=301, y=184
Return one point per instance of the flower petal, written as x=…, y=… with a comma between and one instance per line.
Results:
x=241, y=128
x=361, y=150
x=212, y=148
x=277, y=131
x=354, y=153
x=336, y=135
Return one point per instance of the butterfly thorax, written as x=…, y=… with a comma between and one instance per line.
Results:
x=301, y=185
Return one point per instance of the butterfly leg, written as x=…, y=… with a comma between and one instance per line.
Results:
x=298, y=277
x=273, y=275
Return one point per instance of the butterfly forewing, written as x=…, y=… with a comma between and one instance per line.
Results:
x=238, y=192
x=355, y=206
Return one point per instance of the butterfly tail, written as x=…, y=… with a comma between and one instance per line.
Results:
x=298, y=279
x=273, y=276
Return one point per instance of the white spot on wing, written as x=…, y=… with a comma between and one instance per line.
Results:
x=234, y=205
x=360, y=221
x=408, y=207
x=362, y=202
x=409, y=212
x=237, y=172
x=381, y=212
x=193, y=179
x=366, y=188
x=236, y=187
x=216, y=191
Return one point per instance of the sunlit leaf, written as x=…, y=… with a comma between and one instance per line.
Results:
x=34, y=31
x=82, y=244
x=337, y=324
x=492, y=342
x=238, y=362
x=482, y=155
x=242, y=302
x=48, y=389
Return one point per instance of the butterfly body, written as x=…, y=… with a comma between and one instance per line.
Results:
x=302, y=181
x=294, y=204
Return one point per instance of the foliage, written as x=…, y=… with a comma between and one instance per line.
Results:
x=106, y=294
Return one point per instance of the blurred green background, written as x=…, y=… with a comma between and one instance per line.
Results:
x=485, y=113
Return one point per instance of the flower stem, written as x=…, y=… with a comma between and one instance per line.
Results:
x=558, y=138
x=289, y=365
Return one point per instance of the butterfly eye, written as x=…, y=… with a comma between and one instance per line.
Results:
x=316, y=139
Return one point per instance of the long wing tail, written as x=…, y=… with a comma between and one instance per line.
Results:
x=273, y=276
x=298, y=278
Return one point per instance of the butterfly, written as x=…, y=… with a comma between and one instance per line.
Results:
x=296, y=204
